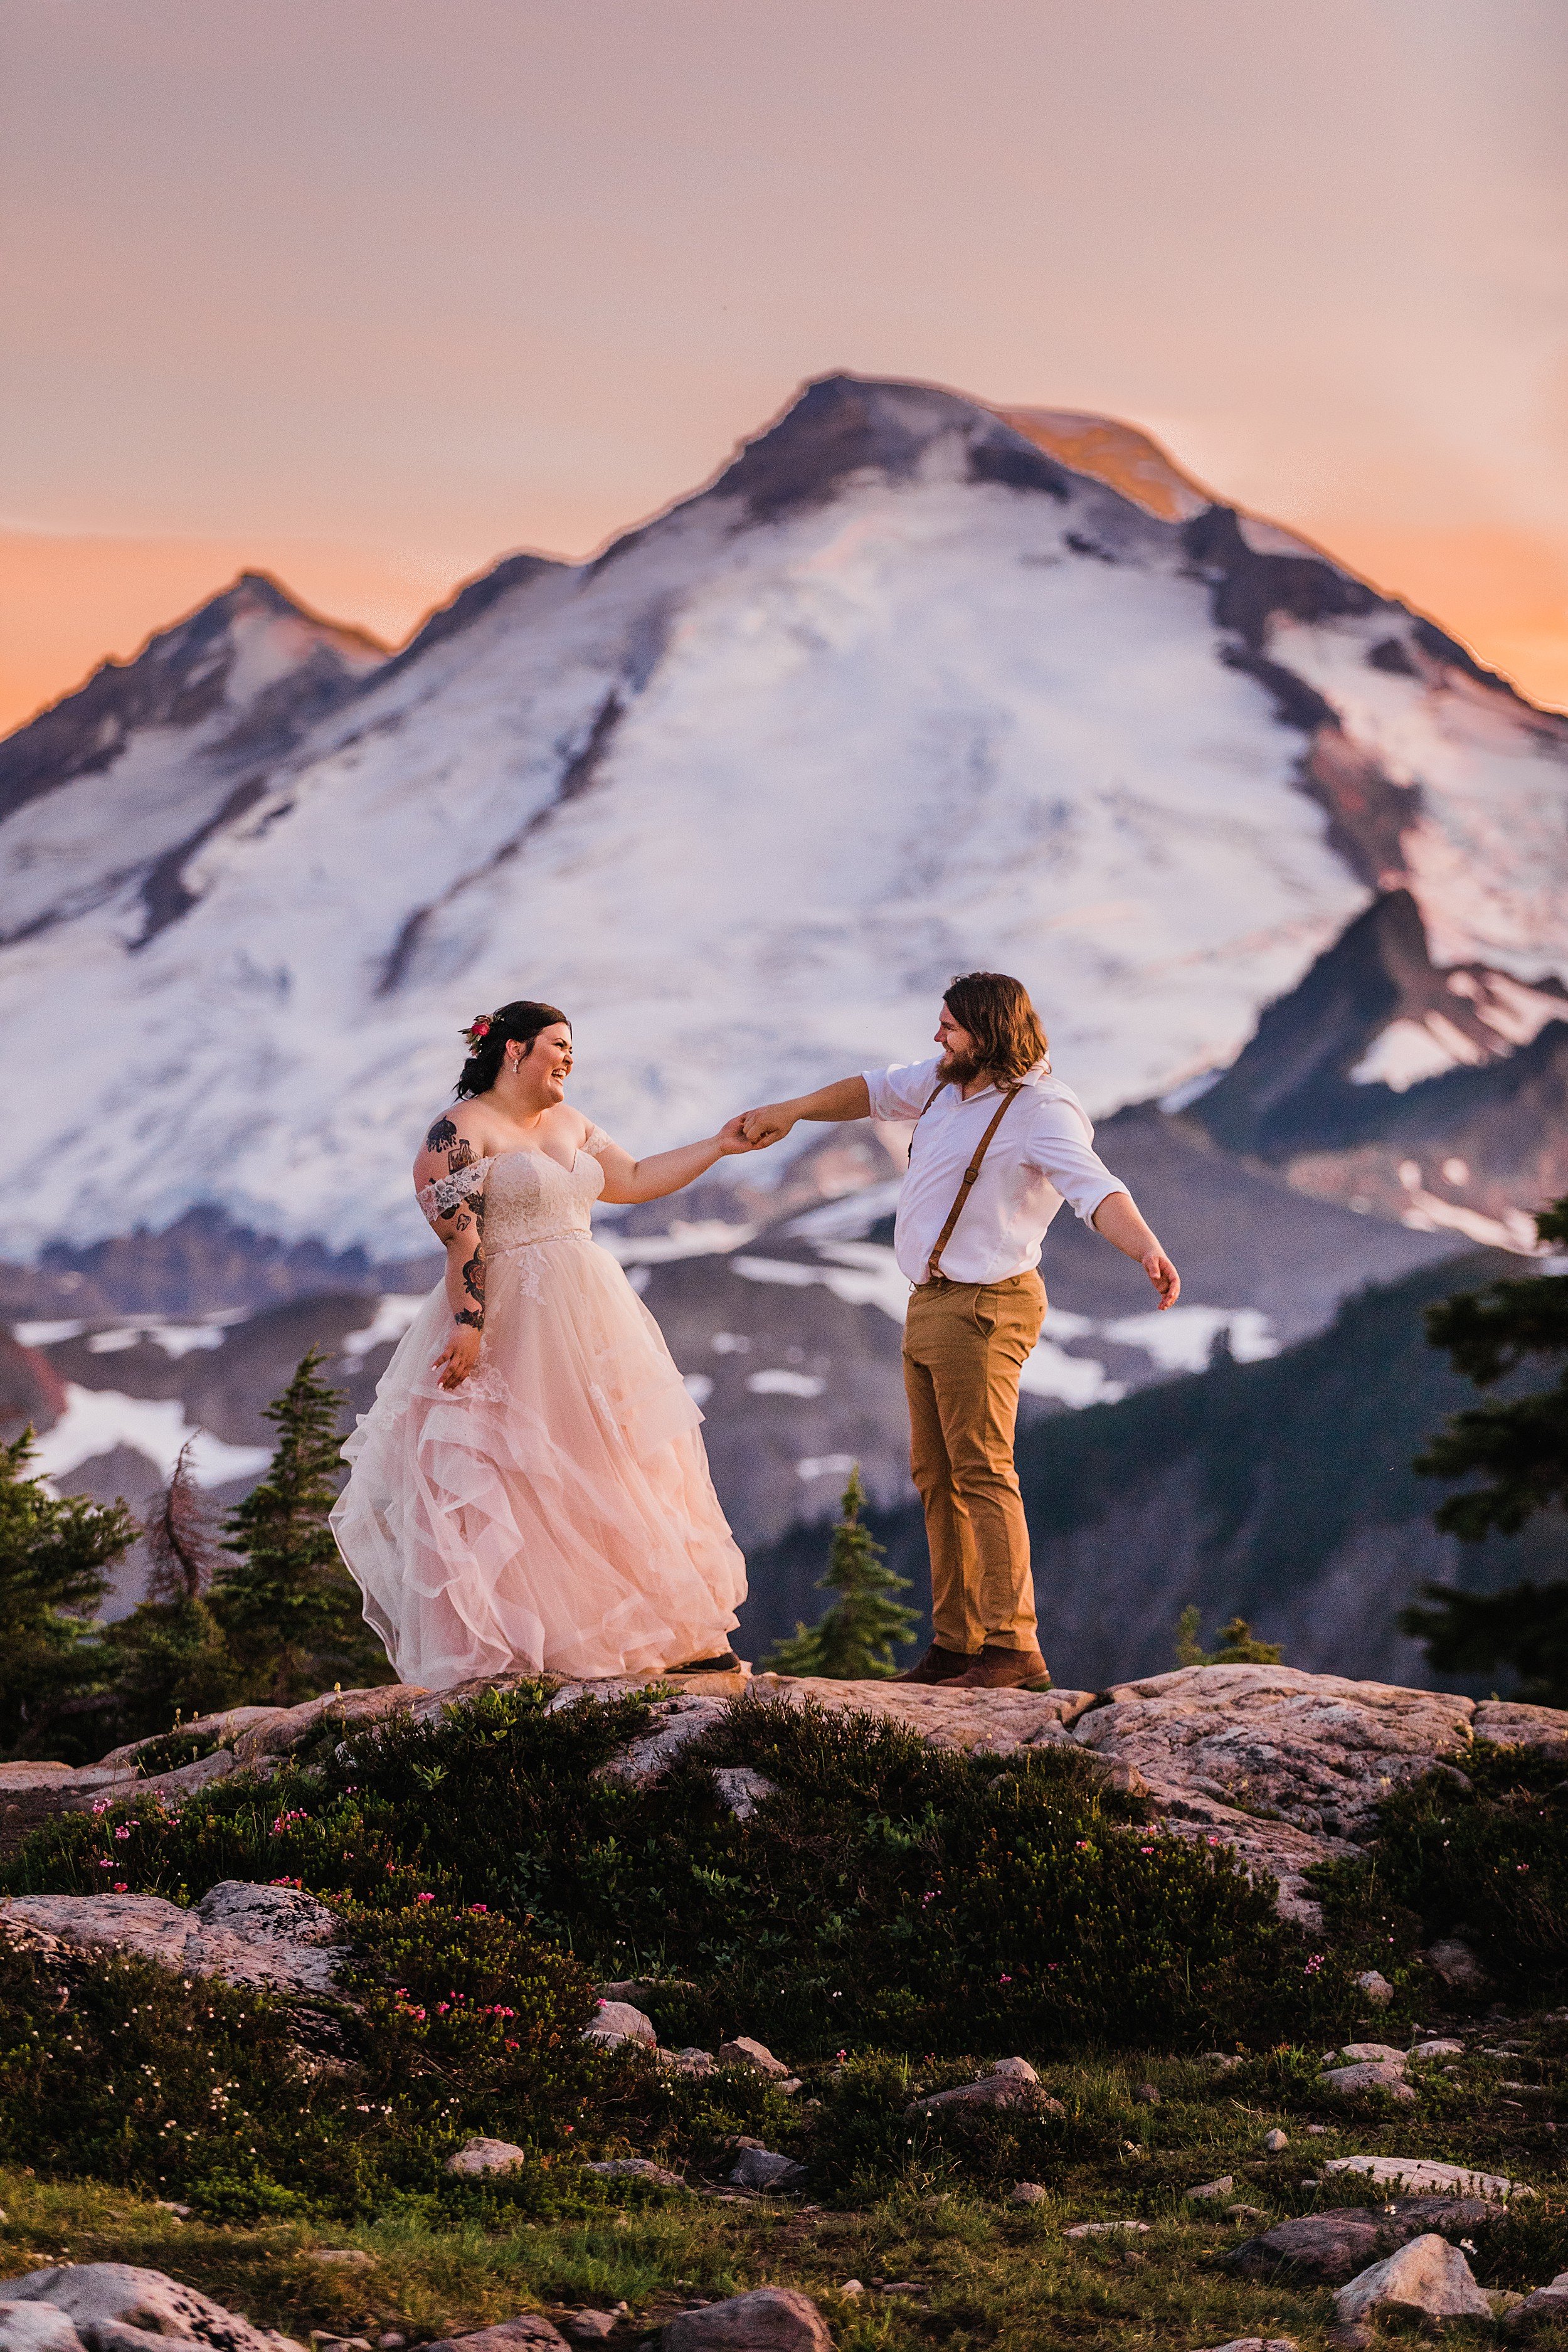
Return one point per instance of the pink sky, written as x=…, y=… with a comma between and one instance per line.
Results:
x=369, y=292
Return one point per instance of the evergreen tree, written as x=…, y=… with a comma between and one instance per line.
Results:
x=1520, y=1449
x=1238, y=1644
x=854, y=1640
x=289, y=1610
x=169, y=1657
x=53, y=1551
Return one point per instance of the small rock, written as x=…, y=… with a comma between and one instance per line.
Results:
x=744, y=2051
x=1428, y=2278
x=768, y=2319
x=1548, y=2306
x=527, y=2330
x=1375, y=1989
x=1351, y=2082
x=347, y=2258
x=341, y=2343
x=617, y=2022
x=1319, y=2131
x=741, y=1791
x=1371, y=2053
x=853, y=2286
x=1026, y=2192
x=1146, y=2095
x=1011, y=2083
x=391, y=2339
x=587, y=2326
x=694, y=2063
x=791, y=2085
x=761, y=2167
x=1350, y=2335
x=1456, y=1965
x=1438, y=2050
x=481, y=2155
x=1275, y=2140
x=37, y=2328
x=1105, y=2229
x=635, y=2168
x=1243, y=2212
x=1221, y=2188
x=1420, y=2172
x=1255, y=2344
x=1220, y=2058
x=163, y=2205
x=624, y=1988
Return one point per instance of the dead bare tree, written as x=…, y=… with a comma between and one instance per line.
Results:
x=182, y=1536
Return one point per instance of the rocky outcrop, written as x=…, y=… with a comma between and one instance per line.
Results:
x=115, y=2308
x=272, y=1937
x=1284, y=1768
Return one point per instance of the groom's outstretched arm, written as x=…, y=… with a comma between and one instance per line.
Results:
x=844, y=1098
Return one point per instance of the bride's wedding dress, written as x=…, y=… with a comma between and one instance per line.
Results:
x=555, y=1511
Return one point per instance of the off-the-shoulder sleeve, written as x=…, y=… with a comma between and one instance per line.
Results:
x=444, y=1194
x=596, y=1140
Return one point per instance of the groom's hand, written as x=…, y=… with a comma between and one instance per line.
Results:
x=769, y=1125
x=732, y=1137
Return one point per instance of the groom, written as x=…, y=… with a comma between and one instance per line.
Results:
x=998, y=1145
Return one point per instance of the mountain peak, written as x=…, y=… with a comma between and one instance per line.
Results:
x=1125, y=459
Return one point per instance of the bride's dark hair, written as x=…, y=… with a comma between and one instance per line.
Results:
x=489, y=1035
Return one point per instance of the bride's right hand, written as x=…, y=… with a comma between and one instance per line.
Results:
x=458, y=1357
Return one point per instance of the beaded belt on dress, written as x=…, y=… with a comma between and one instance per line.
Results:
x=535, y=1241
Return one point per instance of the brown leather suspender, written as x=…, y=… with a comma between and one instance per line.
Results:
x=933, y=1265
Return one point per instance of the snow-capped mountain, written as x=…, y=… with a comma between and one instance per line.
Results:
x=903, y=691
x=106, y=798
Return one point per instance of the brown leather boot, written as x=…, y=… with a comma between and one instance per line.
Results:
x=940, y=1666
x=1001, y=1669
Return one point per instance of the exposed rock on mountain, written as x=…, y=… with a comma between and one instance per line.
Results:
x=1440, y=1097
x=106, y=797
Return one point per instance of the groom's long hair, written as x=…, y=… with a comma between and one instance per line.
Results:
x=995, y=1010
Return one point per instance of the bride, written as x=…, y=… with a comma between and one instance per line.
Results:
x=528, y=1488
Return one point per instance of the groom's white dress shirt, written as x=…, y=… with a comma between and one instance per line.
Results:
x=1041, y=1155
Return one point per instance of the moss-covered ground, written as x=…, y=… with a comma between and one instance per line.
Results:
x=889, y=1921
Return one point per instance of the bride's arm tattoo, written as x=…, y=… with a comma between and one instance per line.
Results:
x=460, y=1151
x=473, y=1271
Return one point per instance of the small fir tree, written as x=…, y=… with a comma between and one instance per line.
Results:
x=55, y=1552
x=1238, y=1644
x=289, y=1610
x=1519, y=1450
x=169, y=1657
x=854, y=1640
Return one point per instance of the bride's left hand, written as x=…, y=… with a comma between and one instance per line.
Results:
x=732, y=1137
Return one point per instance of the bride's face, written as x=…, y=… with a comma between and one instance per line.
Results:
x=548, y=1063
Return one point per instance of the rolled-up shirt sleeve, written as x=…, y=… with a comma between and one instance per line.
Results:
x=1062, y=1147
x=903, y=1092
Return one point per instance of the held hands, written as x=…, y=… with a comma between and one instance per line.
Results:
x=458, y=1357
x=732, y=1137
x=769, y=1125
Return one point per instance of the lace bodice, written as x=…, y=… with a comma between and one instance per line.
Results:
x=528, y=1195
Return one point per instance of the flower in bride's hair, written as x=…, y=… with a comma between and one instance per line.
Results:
x=478, y=1030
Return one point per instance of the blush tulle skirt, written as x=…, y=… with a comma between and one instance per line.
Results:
x=554, y=1513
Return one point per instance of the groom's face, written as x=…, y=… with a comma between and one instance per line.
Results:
x=960, y=1055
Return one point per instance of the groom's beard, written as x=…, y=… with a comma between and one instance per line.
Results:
x=957, y=1069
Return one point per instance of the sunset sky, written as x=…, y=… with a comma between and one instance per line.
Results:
x=368, y=292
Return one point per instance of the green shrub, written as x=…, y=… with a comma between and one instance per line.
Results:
x=1484, y=1853
x=887, y=1893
